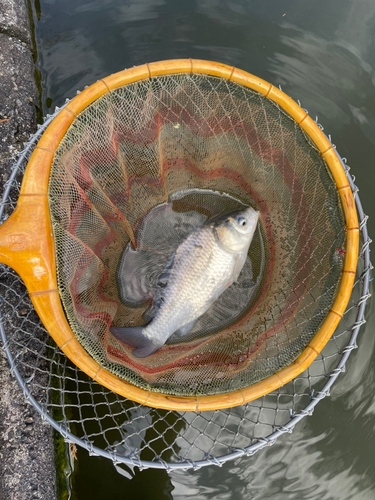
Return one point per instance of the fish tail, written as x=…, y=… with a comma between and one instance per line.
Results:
x=135, y=337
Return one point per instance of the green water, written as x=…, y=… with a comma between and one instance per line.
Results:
x=322, y=53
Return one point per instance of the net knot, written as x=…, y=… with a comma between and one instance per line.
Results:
x=64, y=432
x=321, y=395
x=213, y=460
x=337, y=371
x=306, y=413
x=26, y=394
x=6, y=343
x=363, y=299
x=113, y=455
x=363, y=222
x=365, y=246
x=357, y=324
x=91, y=449
x=169, y=469
x=284, y=429
x=250, y=452
x=349, y=348
x=266, y=442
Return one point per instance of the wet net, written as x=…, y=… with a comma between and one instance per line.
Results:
x=128, y=433
x=146, y=165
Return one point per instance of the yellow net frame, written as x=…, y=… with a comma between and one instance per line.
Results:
x=27, y=245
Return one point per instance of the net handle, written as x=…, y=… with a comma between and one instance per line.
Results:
x=26, y=242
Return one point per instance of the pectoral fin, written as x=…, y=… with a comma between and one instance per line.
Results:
x=134, y=337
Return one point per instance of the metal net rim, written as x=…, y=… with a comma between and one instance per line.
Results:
x=270, y=439
x=63, y=333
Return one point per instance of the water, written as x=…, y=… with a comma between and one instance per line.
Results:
x=322, y=53
x=163, y=229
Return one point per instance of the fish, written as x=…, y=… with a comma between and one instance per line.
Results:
x=203, y=266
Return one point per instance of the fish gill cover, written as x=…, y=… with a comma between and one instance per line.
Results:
x=197, y=146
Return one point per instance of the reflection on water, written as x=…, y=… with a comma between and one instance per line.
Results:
x=326, y=75
x=321, y=53
x=329, y=456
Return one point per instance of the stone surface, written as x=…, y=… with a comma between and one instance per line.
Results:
x=18, y=96
x=14, y=20
x=27, y=470
x=26, y=447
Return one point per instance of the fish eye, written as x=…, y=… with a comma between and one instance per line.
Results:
x=241, y=221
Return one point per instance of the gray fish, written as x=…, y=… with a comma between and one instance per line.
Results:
x=205, y=264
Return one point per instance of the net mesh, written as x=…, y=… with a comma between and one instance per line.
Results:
x=106, y=424
x=182, y=142
x=126, y=432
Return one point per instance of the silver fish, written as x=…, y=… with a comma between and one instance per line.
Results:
x=205, y=264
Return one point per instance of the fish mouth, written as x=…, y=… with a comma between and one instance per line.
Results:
x=251, y=211
x=252, y=214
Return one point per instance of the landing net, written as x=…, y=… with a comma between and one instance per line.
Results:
x=106, y=424
x=194, y=146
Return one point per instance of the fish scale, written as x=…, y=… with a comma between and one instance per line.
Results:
x=198, y=277
x=207, y=262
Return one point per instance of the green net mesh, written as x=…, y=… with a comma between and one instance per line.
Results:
x=196, y=146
